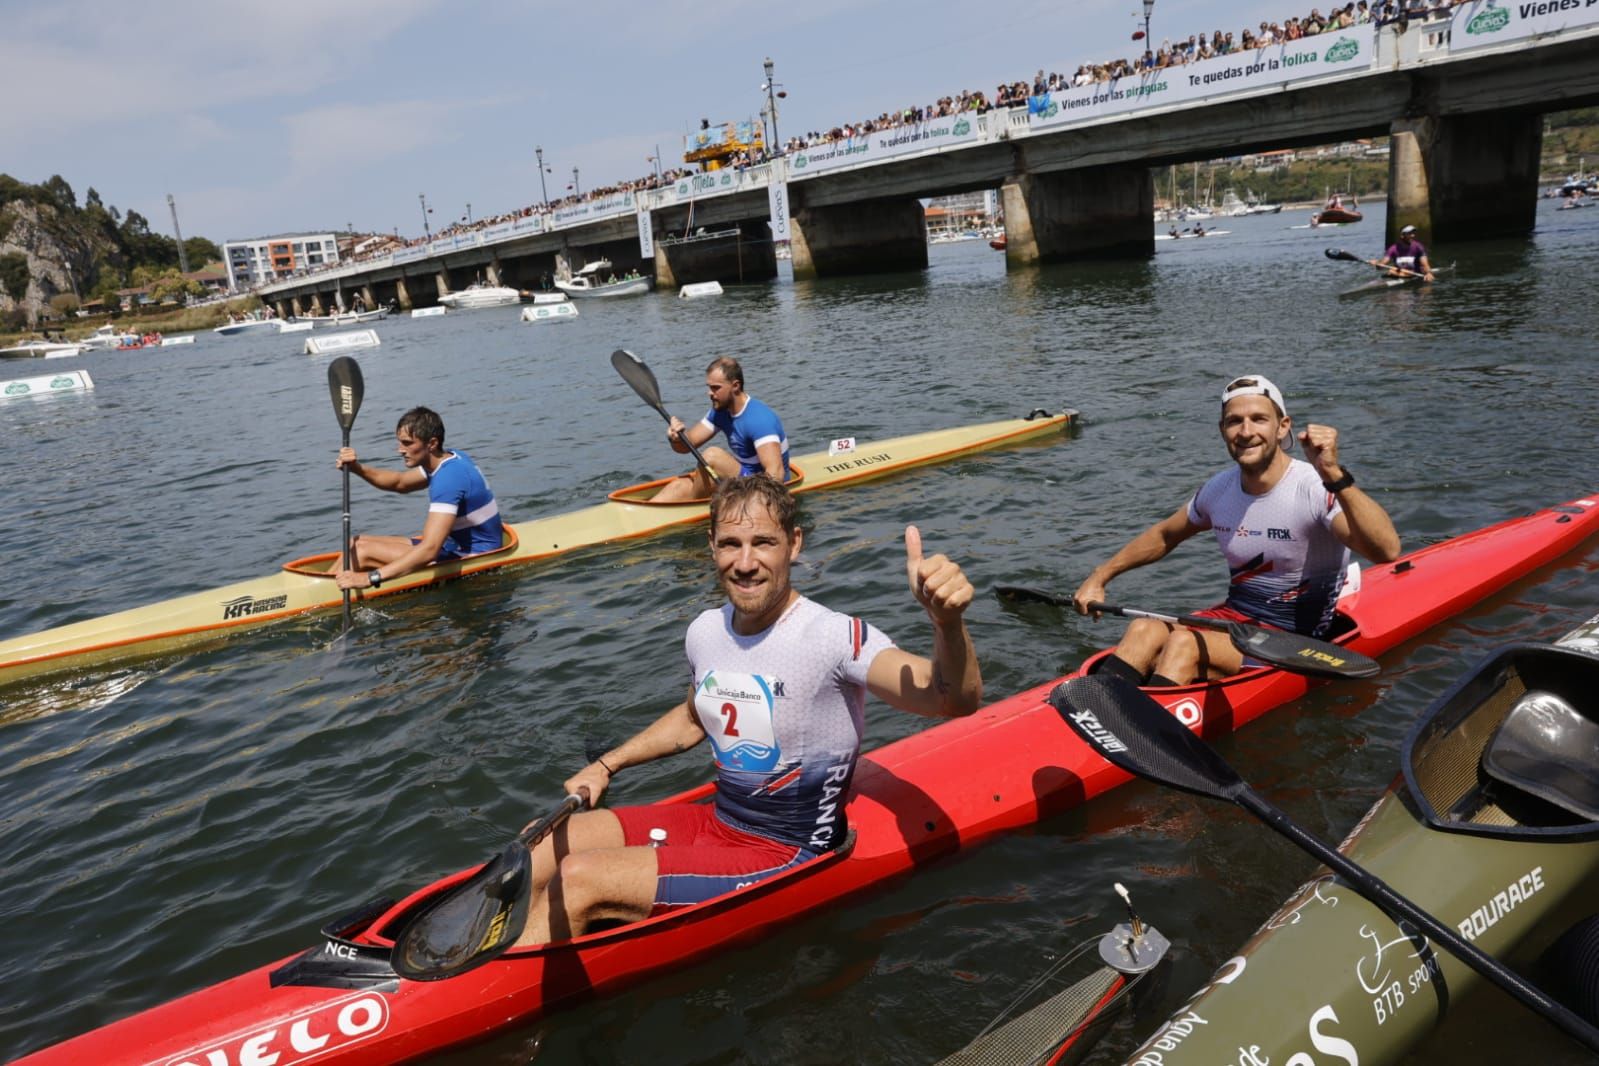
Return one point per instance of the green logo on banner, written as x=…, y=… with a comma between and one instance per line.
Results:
x=1051, y=111
x=16, y=388
x=683, y=188
x=63, y=382
x=1342, y=52
x=800, y=161
x=961, y=128
x=1491, y=21
x=727, y=179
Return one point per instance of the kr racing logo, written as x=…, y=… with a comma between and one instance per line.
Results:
x=299, y=1037
x=245, y=606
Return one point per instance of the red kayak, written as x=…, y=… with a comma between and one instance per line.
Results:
x=914, y=802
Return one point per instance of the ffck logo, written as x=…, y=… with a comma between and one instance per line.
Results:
x=299, y=1037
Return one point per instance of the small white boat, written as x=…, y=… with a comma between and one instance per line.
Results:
x=351, y=318
x=249, y=325
x=109, y=336
x=596, y=279
x=41, y=350
x=561, y=312
x=480, y=295
x=1191, y=235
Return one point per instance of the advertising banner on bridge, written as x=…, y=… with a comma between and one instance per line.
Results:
x=646, y=234
x=1342, y=51
x=1490, y=22
x=777, y=201
x=884, y=144
x=588, y=210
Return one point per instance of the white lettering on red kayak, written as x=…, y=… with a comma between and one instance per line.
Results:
x=1503, y=902
x=298, y=1038
x=1101, y=736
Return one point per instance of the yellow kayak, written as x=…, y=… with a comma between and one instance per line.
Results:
x=303, y=586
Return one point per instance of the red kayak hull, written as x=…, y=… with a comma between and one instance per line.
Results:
x=913, y=803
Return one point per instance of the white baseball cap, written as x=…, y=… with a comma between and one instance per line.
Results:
x=1254, y=385
x=1407, y=229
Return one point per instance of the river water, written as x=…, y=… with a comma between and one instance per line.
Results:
x=169, y=824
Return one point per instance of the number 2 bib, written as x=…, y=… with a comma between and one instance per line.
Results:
x=736, y=712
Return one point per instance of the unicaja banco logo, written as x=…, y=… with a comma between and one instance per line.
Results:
x=1491, y=21
x=62, y=382
x=1342, y=52
x=800, y=161
x=16, y=388
x=683, y=188
x=961, y=128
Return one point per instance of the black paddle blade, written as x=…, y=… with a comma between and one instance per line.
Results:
x=347, y=388
x=1132, y=731
x=1023, y=594
x=1302, y=655
x=639, y=376
x=469, y=926
x=1339, y=253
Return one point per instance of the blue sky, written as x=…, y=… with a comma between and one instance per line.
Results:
x=298, y=115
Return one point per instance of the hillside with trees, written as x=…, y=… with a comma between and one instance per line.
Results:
x=57, y=255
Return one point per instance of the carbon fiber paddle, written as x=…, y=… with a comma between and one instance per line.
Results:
x=1279, y=647
x=347, y=388
x=1134, y=732
x=636, y=374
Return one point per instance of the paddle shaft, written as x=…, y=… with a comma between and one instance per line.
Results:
x=1395, y=905
x=1350, y=257
x=641, y=379
x=698, y=458
x=345, y=563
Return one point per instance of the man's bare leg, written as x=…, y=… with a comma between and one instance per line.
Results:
x=696, y=486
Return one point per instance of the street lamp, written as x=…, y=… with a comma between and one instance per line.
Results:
x=577, y=190
x=1149, y=7
x=469, y=212
x=773, y=94
x=656, y=159
x=545, y=192
x=426, y=229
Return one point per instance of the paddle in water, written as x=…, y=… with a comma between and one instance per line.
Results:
x=474, y=922
x=1278, y=647
x=636, y=374
x=347, y=389
x=1351, y=257
x=1134, y=732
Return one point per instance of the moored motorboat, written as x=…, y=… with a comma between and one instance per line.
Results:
x=108, y=336
x=480, y=294
x=914, y=800
x=1493, y=828
x=305, y=585
x=41, y=350
x=248, y=325
x=596, y=279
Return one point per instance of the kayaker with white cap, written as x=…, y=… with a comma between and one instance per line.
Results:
x=1406, y=255
x=1285, y=526
x=778, y=685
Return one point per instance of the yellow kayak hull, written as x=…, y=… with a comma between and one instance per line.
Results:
x=304, y=586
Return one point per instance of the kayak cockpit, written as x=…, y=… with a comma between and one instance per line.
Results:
x=1512, y=750
x=326, y=563
x=645, y=493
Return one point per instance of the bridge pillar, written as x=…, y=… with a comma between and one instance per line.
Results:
x=294, y=302
x=316, y=303
x=442, y=280
x=745, y=254
x=493, y=271
x=1464, y=177
x=282, y=308
x=369, y=296
x=865, y=237
x=402, y=294
x=1099, y=213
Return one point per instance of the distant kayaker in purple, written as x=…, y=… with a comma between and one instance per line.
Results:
x=778, y=683
x=1406, y=256
x=1284, y=525
x=755, y=439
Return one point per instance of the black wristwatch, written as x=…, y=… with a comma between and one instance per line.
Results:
x=1342, y=483
x=375, y=578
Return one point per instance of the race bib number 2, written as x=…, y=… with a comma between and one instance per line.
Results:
x=736, y=713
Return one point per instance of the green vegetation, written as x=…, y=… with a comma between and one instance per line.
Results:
x=14, y=274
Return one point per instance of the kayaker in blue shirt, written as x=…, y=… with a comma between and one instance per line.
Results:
x=755, y=439
x=463, y=516
x=1406, y=256
x=1284, y=525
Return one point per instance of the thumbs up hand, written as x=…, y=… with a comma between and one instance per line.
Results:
x=937, y=582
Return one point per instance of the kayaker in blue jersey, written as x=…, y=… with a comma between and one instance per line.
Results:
x=1406, y=256
x=463, y=517
x=1284, y=525
x=755, y=436
x=778, y=684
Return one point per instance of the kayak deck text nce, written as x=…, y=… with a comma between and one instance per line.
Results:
x=914, y=801
x=306, y=585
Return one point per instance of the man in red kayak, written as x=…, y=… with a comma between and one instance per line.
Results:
x=1284, y=525
x=463, y=516
x=779, y=687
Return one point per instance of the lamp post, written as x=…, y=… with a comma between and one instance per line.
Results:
x=469, y=212
x=542, y=190
x=773, y=147
x=1149, y=7
x=427, y=230
x=577, y=190
x=656, y=159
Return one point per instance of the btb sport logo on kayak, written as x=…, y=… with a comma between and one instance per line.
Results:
x=299, y=1037
x=245, y=606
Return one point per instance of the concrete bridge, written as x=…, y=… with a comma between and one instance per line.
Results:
x=1461, y=97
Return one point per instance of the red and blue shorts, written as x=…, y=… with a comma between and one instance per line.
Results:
x=703, y=856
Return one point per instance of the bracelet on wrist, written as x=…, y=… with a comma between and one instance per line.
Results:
x=608, y=770
x=1342, y=483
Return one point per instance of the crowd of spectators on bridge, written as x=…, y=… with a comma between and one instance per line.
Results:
x=1195, y=48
